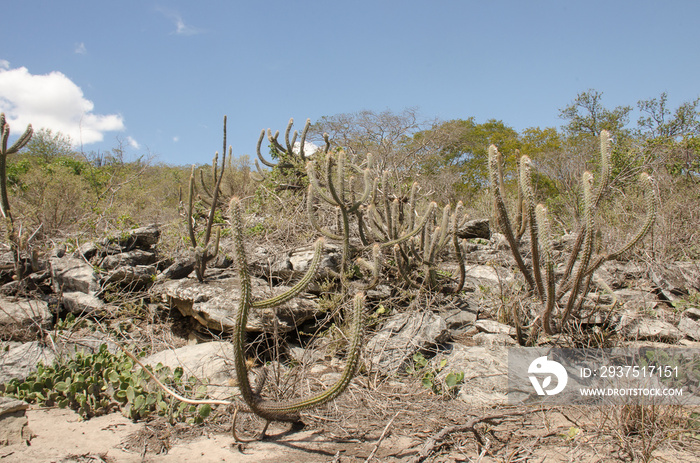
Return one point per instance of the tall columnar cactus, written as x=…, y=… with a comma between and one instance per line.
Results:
x=365, y=208
x=14, y=237
x=283, y=411
x=582, y=263
x=206, y=251
x=289, y=163
x=422, y=251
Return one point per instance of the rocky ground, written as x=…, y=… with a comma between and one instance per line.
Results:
x=387, y=414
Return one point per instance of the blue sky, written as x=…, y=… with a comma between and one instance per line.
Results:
x=160, y=75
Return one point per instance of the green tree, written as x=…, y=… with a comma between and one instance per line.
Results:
x=586, y=115
x=460, y=148
x=671, y=138
x=46, y=146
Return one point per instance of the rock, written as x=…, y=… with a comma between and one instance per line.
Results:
x=211, y=362
x=675, y=279
x=179, y=269
x=78, y=303
x=493, y=339
x=13, y=422
x=636, y=326
x=634, y=299
x=619, y=274
x=403, y=335
x=458, y=318
x=214, y=303
x=478, y=228
x=689, y=328
x=489, y=276
x=130, y=258
x=692, y=313
x=71, y=274
x=379, y=293
x=136, y=276
x=494, y=327
x=19, y=360
x=296, y=263
x=87, y=250
x=22, y=319
x=305, y=356
x=485, y=373
x=141, y=238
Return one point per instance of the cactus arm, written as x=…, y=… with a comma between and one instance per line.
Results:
x=587, y=181
x=287, y=410
x=605, y=171
x=301, y=284
x=190, y=210
x=529, y=200
x=313, y=180
x=415, y=231
x=312, y=217
x=259, y=153
x=286, y=135
x=502, y=214
x=651, y=202
x=550, y=293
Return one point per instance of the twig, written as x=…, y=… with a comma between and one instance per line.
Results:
x=432, y=442
x=381, y=438
x=174, y=394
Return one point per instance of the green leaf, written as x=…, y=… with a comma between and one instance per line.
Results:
x=453, y=379
x=139, y=402
x=61, y=386
x=204, y=410
x=130, y=394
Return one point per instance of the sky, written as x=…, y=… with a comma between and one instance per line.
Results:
x=158, y=76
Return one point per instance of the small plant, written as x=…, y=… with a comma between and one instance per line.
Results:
x=97, y=383
x=421, y=367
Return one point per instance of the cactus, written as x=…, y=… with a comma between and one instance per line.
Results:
x=290, y=164
x=575, y=285
x=16, y=238
x=379, y=221
x=423, y=249
x=285, y=411
x=206, y=251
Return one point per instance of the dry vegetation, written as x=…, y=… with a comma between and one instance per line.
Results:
x=58, y=196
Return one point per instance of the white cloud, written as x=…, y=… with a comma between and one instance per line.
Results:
x=133, y=143
x=80, y=48
x=176, y=139
x=52, y=101
x=4, y=64
x=309, y=148
x=180, y=27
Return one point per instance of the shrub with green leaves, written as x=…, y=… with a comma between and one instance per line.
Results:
x=421, y=367
x=97, y=383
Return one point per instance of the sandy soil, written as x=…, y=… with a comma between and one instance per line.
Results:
x=61, y=436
